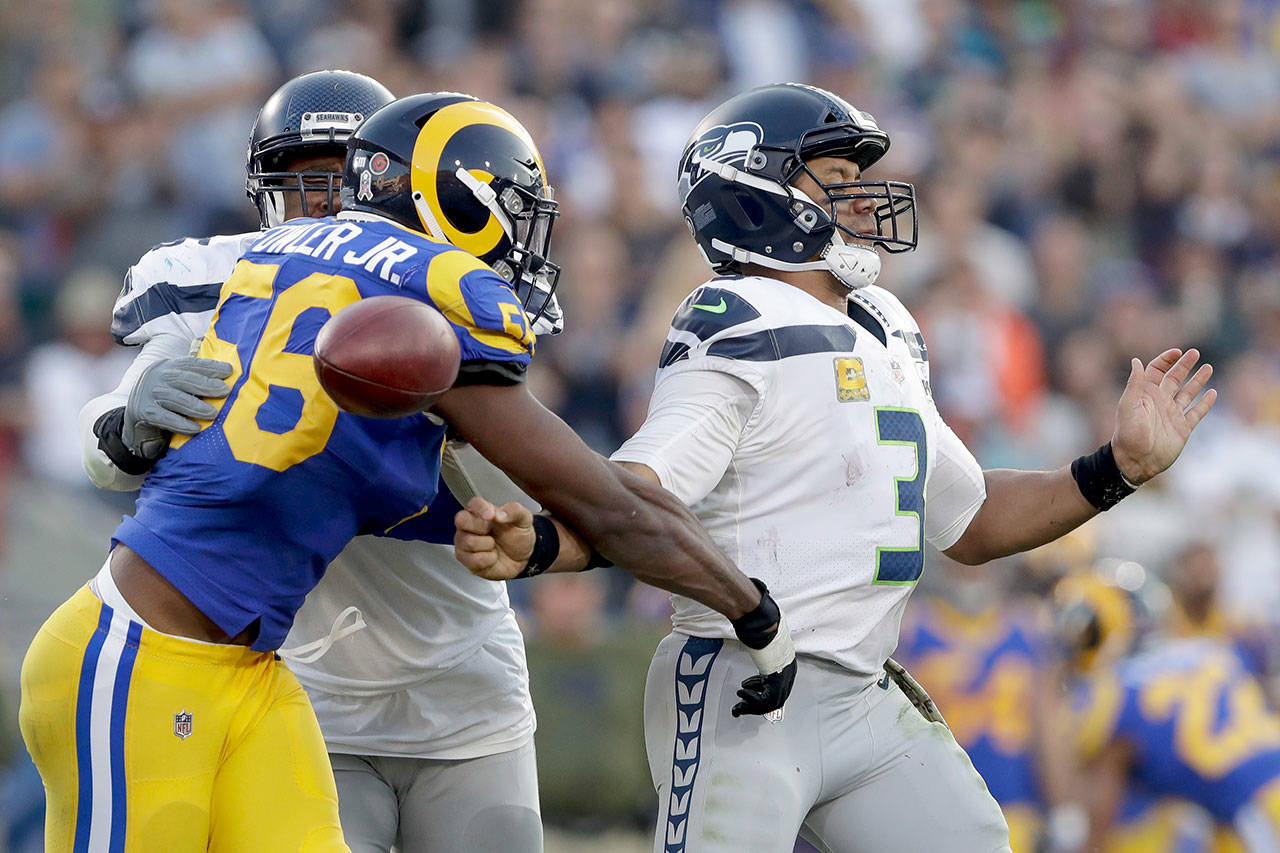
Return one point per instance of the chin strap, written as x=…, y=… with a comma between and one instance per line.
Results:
x=428, y=218
x=855, y=266
x=485, y=195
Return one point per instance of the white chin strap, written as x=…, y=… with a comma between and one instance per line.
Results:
x=855, y=266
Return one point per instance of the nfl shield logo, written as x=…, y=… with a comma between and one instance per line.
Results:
x=182, y=724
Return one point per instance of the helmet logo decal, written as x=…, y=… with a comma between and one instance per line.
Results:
x=720, y=144
x=365, y=193
x=379, y=163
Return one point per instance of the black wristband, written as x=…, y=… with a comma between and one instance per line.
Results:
x=757, y=628
x=108, y=429
x=546, y=547
x=1100, y=479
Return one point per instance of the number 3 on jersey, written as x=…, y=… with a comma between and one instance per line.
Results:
x=274, y=369
x=904, y=564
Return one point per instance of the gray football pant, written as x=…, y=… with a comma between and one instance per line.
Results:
x=433, y=806
x=852, y=765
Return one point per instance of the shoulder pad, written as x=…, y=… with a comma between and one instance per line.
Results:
x=705, y=313
x=885, y=307
x=710, y=310
x=180, y=277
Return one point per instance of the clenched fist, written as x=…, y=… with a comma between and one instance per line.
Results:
x=493, y=542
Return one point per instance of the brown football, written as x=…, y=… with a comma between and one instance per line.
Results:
x=386, y=356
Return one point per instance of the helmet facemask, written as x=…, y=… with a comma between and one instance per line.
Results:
x=893, y=212
x=269, y=188
x=319, y=134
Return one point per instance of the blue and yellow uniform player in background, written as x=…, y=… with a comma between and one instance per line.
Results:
x=152, y=702
x=1178, y=718
x=983, y=654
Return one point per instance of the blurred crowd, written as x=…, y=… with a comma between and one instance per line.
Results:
x=1097, y=180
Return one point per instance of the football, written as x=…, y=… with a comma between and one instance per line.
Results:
x=386, y=357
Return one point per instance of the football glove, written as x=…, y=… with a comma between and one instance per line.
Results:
x=166, y=399
x=768, y=640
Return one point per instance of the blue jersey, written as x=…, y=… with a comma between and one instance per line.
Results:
x=981, y=671
x=1197, y=723
x=244, y=517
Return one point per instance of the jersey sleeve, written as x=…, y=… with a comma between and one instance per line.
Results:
x=174, y=288
x=955, y=491
x=696, y=419
x=493, y=331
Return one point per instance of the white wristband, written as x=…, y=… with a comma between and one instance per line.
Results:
x=778, y=654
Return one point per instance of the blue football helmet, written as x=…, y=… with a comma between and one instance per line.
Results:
x=736, y=179
x=311, y=115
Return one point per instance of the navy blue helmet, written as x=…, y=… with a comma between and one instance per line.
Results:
x=311, y=115
x=736, y=178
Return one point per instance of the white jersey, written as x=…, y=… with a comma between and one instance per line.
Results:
x=808, y=444
x=414, y=616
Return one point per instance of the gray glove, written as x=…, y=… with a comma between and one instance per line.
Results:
x=166, y=399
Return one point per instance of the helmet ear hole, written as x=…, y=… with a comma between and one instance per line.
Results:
x=745, y=210
x=465, y=213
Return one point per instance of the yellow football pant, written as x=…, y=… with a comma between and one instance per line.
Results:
x=151, y=742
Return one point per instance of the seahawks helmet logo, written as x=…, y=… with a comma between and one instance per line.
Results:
x=724, y=143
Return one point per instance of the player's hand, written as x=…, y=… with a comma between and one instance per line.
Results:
x=1157, y=412
x=768, y=640
x=493, y=542
x=166, y=399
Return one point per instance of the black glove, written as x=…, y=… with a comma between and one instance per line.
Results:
x=764, y=632
x=166, y=399
x=107, y=429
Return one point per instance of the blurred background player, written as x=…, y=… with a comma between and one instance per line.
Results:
x=1164, y=717
x=985, y=653
x=982, y=639
x=416, y=670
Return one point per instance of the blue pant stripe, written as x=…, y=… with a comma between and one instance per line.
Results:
x=693, y=672
x=84, y=705
x=119, y=703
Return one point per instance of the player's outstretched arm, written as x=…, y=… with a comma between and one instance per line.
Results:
x=1160, y=407
x=635, y=523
